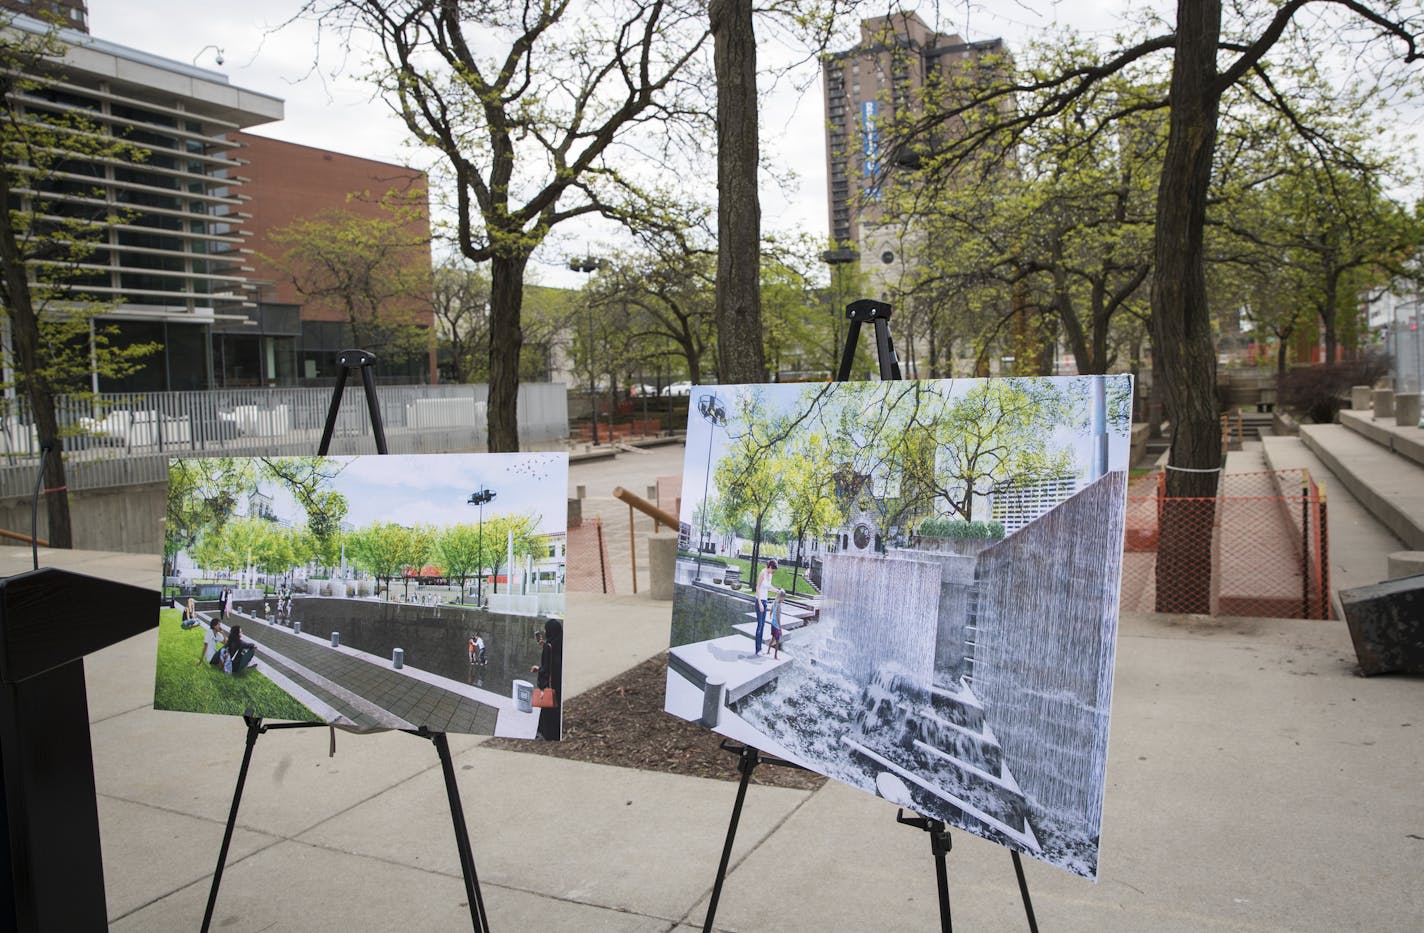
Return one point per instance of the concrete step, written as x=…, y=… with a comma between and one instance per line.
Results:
x=1405, y=440
x=1388, y=484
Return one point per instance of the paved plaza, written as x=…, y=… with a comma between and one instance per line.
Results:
x=366, y=692
x=1255, y=783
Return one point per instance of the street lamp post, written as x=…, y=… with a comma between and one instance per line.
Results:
x=589, y=265
x=712, y=411
x=478, y=498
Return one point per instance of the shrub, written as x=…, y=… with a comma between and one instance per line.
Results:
x=957, y=528
x=1316, y=391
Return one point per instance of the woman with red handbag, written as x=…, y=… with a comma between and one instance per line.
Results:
x=550, y=683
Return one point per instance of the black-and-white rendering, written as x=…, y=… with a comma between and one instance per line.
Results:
x=913, y=588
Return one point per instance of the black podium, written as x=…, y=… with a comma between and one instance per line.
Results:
x=49, y=818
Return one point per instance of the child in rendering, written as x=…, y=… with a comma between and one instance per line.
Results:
x=775, y=644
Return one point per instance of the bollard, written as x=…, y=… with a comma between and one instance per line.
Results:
x=336, y=639
x=662, y=563
x=398, y=658
x=1406, y=409
x=297, y=628
x=712, y=696
x=1384, y=403
x=1359, y=398
x=524, y=696
x=1404, y=564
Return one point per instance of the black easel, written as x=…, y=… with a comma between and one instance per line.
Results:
x=862, y=311
x=349, y=359
x=869, y=311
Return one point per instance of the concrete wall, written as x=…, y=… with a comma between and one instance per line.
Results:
x=1047, y=627
x=128, y=518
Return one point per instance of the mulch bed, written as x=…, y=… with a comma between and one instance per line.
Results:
x=621, y=722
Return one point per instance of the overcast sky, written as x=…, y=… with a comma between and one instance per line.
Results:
x=329, y=107
x=434, y=489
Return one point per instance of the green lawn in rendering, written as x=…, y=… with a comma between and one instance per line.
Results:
x=182, y=683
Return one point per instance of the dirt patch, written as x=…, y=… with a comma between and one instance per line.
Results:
x=621, y=722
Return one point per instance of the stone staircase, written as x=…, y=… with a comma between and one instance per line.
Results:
x=1381, y=464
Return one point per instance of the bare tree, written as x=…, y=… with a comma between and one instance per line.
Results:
x=534, y=111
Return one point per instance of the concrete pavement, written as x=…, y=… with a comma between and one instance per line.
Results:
x=1254, y=784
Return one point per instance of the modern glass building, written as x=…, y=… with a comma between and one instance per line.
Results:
x=181, y=257
x=172, y=256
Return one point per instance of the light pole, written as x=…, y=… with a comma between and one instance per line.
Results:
x=590, y=265
x=478, y=498
x=714, y=413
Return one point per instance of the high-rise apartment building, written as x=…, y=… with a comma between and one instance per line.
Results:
x=868, y=89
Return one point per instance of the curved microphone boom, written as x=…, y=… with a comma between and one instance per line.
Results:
x=35, y=507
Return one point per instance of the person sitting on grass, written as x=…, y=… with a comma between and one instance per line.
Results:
x=212, y=643
x=239, y=653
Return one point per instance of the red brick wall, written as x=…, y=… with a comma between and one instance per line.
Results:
x=287, y=182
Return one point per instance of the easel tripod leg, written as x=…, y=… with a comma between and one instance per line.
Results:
x=746, y=765
x=478, y=919
x=254, y=729
x=939, y=846
x=1023, y=890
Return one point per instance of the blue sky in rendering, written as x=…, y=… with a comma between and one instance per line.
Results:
x=434, y=489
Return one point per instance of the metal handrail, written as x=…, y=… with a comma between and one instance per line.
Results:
x=647, y=508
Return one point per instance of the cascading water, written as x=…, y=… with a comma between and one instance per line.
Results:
x=884, y=610
x=981, y=681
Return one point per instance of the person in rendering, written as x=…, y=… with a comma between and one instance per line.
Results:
x=775, y=644
x=190, y=614
x=763, y=594
x=551, y=674
x=212, y=643
x=239, y=652
x=474, y=656
x=480, y=651
x=225, y=602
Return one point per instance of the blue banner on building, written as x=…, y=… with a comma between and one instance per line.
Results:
x=870, y=147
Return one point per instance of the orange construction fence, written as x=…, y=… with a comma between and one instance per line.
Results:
x=1260, y=548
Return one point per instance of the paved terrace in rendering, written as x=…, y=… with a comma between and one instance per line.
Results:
x=363, y=692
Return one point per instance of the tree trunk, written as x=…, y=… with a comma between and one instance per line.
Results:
x=1181, y=324
x=25, y=336
x=738, y=302
x=506, y=343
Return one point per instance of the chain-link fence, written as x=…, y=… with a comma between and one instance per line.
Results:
x=586, y=565
x=1259, y=549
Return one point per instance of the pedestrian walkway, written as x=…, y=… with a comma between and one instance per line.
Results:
x=366, y=693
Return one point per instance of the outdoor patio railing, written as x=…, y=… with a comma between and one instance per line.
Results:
x=125, y=439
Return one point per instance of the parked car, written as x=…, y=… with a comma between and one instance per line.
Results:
x=679, y=389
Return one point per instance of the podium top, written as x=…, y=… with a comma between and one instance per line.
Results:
x=49, y=617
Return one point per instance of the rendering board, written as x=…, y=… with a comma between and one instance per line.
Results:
x=912, y=587
x=371, y=592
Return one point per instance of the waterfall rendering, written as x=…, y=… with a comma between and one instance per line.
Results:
x=958, y=664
